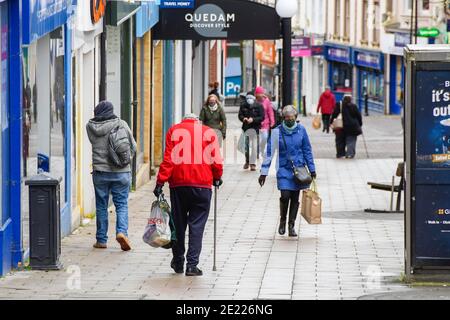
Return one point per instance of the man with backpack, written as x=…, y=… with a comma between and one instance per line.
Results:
x=192, y=165
x=113, y=147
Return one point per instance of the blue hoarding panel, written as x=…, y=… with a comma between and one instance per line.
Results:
x=146, y=17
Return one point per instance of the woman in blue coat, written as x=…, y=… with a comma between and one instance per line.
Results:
x=300, y=151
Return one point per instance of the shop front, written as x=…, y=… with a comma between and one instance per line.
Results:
x=266, y=56
x=47, y=107
x=87, y=66
x=340, y=69
x=6, y=232
x=146, y=17
x=370, y=78
x=393, y=45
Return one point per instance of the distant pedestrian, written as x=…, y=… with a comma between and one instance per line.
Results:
x=269, y=117
x=347, y=136
x=212, y=115
x=296, y=146
x=326, y=106
x=214, y=89
x=190, y=175
x=107, y=177
x=251, y=114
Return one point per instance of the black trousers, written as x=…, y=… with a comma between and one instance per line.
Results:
x=291, y=202
x=326, y=122
x=345, y=145
x=340, y=144
x=190, y=207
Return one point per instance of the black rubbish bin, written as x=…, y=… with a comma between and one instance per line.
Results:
x=45, y=226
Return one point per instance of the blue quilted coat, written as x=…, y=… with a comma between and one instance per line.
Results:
x=300, y=151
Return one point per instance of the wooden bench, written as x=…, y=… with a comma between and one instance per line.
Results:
x=392, y=188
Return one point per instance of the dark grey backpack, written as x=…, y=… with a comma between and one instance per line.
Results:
x=119, y=147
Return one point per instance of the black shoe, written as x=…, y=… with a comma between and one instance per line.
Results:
x=282, y=228
x=177, y=267
x=193, y=272
x=292, y=232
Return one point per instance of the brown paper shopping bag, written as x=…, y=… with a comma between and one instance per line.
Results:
x=311, y=209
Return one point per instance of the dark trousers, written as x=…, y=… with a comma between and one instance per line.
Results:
x=290, y=200
x=190, y=207
x=326, y=122
x=345, y=145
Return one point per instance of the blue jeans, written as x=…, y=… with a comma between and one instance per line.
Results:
x=118, y=184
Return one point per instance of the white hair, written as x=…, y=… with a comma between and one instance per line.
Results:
x=289, y=111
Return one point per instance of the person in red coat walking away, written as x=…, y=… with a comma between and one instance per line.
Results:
x=192, y=165
x=326, y=105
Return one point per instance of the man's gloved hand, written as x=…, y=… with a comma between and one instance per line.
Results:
x=218, y=183
x=262, y=180
x=313, y=175
x=158, y=190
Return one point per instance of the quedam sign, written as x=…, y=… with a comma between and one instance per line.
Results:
x=218, y=19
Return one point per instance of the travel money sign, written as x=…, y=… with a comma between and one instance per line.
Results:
x=218, y=19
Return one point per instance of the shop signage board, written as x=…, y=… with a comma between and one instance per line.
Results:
x=178, y=4
x=146, y=17
x=301, y=47
x=218, y=19
x=233, y=86
x=373, y=60
x=42, y=17
x=428, y=32
x=427, y=151
x=265, y=51
x=339, y=54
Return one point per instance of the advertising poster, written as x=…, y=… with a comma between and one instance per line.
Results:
x=433, y=119
x=432, y=190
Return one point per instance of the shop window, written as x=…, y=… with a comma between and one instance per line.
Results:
x=74, y=173
x=44, y=121
x=373, y=85
x=342, y=77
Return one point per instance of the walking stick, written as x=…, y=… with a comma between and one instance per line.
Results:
x=365, y=146
x=215, y=226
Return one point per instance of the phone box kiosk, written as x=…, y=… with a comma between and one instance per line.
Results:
x=427, y=155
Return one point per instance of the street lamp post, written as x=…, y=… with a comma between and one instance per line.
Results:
x=286, y=9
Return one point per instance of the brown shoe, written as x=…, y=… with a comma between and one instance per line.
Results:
x=246, y=166
x=123, y=241
x=253, y=167
x=99, y=245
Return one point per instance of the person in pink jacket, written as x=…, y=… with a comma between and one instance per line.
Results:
x=269, y=117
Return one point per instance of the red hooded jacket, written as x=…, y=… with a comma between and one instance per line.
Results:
x=192, y=157
x=327, y=102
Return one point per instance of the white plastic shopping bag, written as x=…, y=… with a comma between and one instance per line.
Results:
x=157, y=232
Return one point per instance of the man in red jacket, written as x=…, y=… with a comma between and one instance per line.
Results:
x=327, y=102
x=192, y=164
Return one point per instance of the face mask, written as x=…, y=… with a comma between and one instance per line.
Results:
x=250, y=101
x=211, y=104
x=290, y=123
